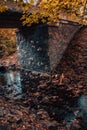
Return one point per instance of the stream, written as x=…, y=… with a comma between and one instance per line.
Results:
x=10, y=83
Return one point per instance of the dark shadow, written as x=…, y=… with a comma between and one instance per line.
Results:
x=3, y=69
x=4, y=127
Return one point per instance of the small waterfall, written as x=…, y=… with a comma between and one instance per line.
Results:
x=11, y=84
x=9, y=78
x=14, y=84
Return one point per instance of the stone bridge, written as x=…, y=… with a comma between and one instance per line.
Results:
x=40, y=47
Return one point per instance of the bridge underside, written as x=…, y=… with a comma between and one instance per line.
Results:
x=10, y=19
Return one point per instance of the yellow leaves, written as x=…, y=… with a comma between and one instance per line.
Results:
x=81, y=10
x=43, y=20
x=7, y=42
x=3, y=8
x=49, y=11
x=34, y=18
x=73, y=18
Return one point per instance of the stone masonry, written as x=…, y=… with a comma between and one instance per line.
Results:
x=40, y=48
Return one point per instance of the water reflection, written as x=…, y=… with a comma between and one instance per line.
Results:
x=11, y=83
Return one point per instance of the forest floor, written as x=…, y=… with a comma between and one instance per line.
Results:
x=47, y=104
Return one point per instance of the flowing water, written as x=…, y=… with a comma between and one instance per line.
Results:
x=10, y=83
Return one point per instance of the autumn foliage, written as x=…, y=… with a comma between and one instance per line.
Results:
x=49, y=11
x=7, y=42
